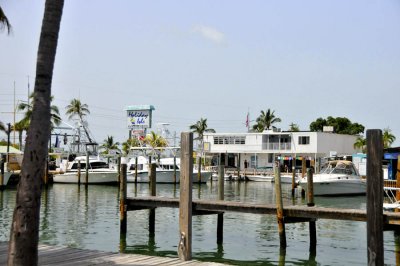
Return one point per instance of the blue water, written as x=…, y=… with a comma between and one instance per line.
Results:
x=76, y=217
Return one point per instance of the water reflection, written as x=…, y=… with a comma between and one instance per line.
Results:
x=76, y=216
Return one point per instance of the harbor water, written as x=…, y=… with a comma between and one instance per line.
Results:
x=89, y=218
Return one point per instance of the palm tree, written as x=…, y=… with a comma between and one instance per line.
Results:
x=4, y=23
x=266, y=120
x=27, y=108
x=24, y=235
x=199, y=128
x=361, y=143
x=109, y=144
x=132, y=142
x=156, y=142
x=294, y=127
x=388, y=138
x=2, y=127
x=76, y=108
x=20, y=127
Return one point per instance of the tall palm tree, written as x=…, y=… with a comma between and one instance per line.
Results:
x=199, y=128
x=156, y=142
x=76, y=108
x=361, y=143
x=294, y=127
x=388, y=138
x=20, y=127
x=109, y=144
x=2, y=126
x=4, y=23
x=132, y=142
x=24, y=235
x=266, y=120
x=27, y=108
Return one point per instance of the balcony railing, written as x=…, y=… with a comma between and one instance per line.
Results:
x=275, y=146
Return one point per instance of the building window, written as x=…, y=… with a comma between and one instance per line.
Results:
x=304, y=140
x=230, y=140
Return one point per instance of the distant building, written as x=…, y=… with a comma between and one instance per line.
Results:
x=260, y=149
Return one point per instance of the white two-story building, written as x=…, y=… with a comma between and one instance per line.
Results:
x=258, y=150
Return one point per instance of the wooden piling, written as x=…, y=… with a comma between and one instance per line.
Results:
x=375, y=197
x=303, y=166
x=87, y=169
x=46, y=172
x=279, y=205
x=310, y=203
x=2, y=173
x=174, y=169
x=398, y=178
x=152, y=212
x=136, y=169
x=185, y=199
x=238, y=167
x=220, y=221
x=293, y=180
x=79, y=172
x=122, y=199
x=199, y=169
x=119, y=169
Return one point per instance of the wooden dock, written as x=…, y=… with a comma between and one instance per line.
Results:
x=55, y=255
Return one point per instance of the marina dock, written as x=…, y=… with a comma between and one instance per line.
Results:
x=55, y=255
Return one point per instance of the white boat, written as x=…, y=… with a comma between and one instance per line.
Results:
x=6, y=177
x=337, y=178
x=260, y=178
x=99, y=172
x=164, y=171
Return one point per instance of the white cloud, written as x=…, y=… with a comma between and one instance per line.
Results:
x=210, y=33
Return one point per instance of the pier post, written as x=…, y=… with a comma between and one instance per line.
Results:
x=119, y=168
x=220, y=221
x=122, y=199
x=238, y=167
x=152, y=212
x=398, y=178
x=293, y=180
x=79, y=172
x=174, y=169
x=279, y=205
x=375, y=197
x=1, y=173
x=87, y=169
x=198, y=158
x=46, y=172
x=310, y=203
x=303, y=166
x=136, y=166
x=185, y=198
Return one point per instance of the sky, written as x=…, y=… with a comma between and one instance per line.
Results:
x=217, y=60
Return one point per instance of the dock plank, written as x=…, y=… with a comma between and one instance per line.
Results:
x=65, y=256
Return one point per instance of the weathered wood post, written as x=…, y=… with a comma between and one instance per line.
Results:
x=375, y=197
x=2, y=174
x=198, y=158
x=310, y=203
x=46, y=172
x=119, y=168
x=303, y=166
x=174, y=169
x=398, y=178
x=293, y=180
x=185, y=199
x=136, y=170
x=220, y=221
x=279, y=205
x=79, y=172
x=122, y=198
x=152, y=212
x=87, y=169
x=238, y=167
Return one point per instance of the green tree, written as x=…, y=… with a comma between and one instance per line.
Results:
x=156, y=142
x=294, y=127
x=341, y=125
x=76, y=108
x=360, y=144
x=2, y=127
x=24, y=235
x=109, y=145
x=388, y=138
x=266, y=120
x=20, y=127
x=132, y=142
x=4, y=22
x=27, y=108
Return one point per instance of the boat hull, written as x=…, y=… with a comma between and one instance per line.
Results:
x=95, y=177
x=260, y=178
x=338, y=187
x=166, y=177
x=6, y=178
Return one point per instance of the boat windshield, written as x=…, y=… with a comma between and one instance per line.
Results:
x=339, y=168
